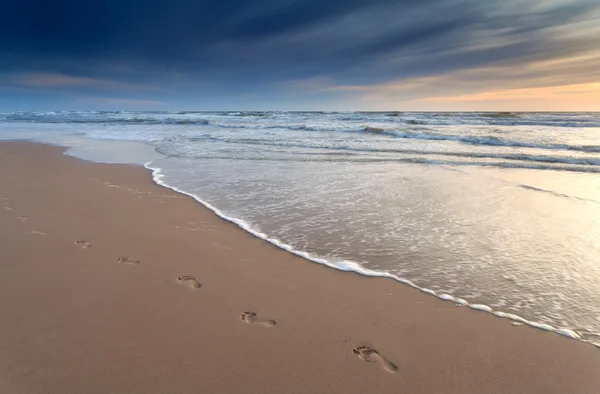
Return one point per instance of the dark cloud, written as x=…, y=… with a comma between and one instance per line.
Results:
x=239, y=44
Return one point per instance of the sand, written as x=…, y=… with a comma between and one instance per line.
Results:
x=162, y=296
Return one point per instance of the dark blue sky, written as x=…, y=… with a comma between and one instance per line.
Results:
x=299, y=54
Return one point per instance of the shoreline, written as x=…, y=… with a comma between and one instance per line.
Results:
x=321, y=314
x=351, y=266
x=346, y=266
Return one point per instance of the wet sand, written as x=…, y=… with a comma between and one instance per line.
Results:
x=162, y=296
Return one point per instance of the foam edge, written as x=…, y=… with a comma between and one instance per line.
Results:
x=351, y=266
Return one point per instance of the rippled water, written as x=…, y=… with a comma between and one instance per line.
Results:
x=501, y=209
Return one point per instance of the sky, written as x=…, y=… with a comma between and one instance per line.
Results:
x=401, y=55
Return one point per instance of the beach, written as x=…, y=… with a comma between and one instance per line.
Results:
x=151, y=300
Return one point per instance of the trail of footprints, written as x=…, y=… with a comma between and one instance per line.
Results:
x=363, y=352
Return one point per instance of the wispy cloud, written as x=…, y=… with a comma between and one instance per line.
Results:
x=545, y=82
x=120, y=101
x=48, y=80
x=378, y=52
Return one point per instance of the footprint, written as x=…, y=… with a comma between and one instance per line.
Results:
x=192, y=282
x=127, y=260
x=5, y=198
x=22, y=218
x=369, y=354
x=84, y=244
x=250, y=317
x=9, y=208
x=37, y=231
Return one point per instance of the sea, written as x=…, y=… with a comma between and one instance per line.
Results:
x=499, y=212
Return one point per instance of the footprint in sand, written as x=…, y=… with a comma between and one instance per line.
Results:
x=250, y=317
x=22, y=218
x=9, y=208
x=37, y=231
x=190, y=280
x=127, y=260
x=84, y=244
x=369, y=354
x=5, y=198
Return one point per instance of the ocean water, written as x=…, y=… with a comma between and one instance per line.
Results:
x=497, y=211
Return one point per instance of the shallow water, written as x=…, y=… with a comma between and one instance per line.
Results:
x=496, y=209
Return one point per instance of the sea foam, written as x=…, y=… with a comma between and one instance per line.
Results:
x=346, y=265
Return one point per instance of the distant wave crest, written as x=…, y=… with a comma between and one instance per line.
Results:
x=57, y=119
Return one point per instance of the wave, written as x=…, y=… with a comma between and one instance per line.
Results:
x=395, y=133
x=500, y=115
x=575, y=120
x=499, y=164
x=491, y=140
x=352, y=266
x=250, y=114
x=586, y=161
x=339, y=127
x=537, y=189
x=409, y=160
x=466, y=139
x=50, y=118
x=377, y=130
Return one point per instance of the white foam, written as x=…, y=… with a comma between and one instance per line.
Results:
x=351, y=266
x=568, y=333
x=481, y=307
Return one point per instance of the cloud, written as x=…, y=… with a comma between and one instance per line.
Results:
x=62, y=81
x=191, y=48
x=532, y=84
x=120, y=101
